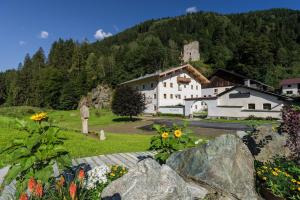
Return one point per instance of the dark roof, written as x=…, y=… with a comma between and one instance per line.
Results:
x=287, y=98
x=290, y=81
x=239, y=76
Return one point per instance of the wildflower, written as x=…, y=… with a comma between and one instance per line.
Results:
x=165, y=135
x=31, y=184
x=274, y=173
x=286, y=174
x=81, y=175
x=112, y=174
x=38, y=192
x=72, y=190
x=39, y=117
x=293, y=180
x=61, y=181
x=265, y=167
x=178, y=133
x=264, y=178
x=23, y=196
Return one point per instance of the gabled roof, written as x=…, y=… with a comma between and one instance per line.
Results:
x=290, y=81
x=238, y=76
x=243, y=86
x=202, y=79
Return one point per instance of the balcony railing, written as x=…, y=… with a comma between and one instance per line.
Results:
x=183, y=80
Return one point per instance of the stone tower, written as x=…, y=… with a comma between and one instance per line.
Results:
x=191, y=52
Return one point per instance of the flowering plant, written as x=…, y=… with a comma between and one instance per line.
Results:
x=169, y=140
x=281, y=177
x=32, y=157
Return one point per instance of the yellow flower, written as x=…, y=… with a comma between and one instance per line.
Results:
x=286, y=174
x=293, y=180
x=178, y=133
x=39, y=116
x=298, y=182
x=112, y=174
x=264, y=178
x=299, y=189
x=274, y=173
x=165, y=135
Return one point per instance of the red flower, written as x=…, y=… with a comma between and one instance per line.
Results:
x=31, y=184
x=38, y=190
x=81, y=175
x=23, y=196
x=72, y=190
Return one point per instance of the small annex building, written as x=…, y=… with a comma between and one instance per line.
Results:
x=241, y=101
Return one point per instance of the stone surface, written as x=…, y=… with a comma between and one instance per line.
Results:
x=99, y=97
x=225, y=163
x=266, y=142
x=149, y=180
x=191, y=52
x=102, y=135
x=84, y=113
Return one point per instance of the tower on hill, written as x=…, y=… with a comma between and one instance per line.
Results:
x=191, y=52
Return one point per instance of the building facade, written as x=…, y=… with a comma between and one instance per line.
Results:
x=290, y=87
x=241, y=102
x=165, y=91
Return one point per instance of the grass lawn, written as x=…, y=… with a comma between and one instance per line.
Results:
x=246, y=121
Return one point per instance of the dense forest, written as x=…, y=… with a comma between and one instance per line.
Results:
x=264, y=45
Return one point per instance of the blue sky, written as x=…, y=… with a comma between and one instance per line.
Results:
x=27, y=25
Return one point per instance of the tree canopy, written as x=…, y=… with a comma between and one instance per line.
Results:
x=264, y=45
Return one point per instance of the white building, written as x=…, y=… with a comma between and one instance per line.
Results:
x=241, y=102
x=290, y=87
x=165, y=91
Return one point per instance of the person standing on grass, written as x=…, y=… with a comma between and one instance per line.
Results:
x=85, y=114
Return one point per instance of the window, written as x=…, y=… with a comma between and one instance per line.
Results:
x=267, y=106
x=191, y=96
x=165, y=96
x=204, y=96
x=179, y=87
x=165, y=84
x=154, y=96
x=171, y=96
x=192, y=86
x=289, y=85
x=152, y=85
x=289, y=92
x=196, y=107
x=143, y=86
x=215, y=91
x=179, y=96
x=251, y=106
x=171, y=85
x=155, y=108
x=209, y=95
x=196, y=87
x=184, y=86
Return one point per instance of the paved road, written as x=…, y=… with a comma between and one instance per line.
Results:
x=205, y=124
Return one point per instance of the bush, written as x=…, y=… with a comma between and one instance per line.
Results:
x=168, y=141
x=281, y=177
x=291, y=126
x=127, y=102
x=33, y=157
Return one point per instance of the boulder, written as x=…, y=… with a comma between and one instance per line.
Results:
x=265, y=143
x=224, y=163
x=149, y=180
x=100, y=97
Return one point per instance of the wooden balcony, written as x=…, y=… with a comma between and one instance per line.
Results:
x=183, y=80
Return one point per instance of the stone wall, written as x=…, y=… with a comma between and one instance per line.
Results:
x=99, y=97
x=191, y=52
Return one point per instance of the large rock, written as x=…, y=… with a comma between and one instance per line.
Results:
x=99, y=97
x=265, y=143
x=149, y=180
x=224, y=163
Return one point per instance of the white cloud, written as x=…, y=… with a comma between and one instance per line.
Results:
x=191, y=9
x=21, y=42
x=44, y=34
x=100, y=34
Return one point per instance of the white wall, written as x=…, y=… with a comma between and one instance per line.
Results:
x=172, y=110
x=187, y=90
x=292, y=87
x=211, y=92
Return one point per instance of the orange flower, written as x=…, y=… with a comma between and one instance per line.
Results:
x=31, y=184
x=61, y=181
x=72, y=190
x=81, y=175
x=38, y=192
x=23, y=196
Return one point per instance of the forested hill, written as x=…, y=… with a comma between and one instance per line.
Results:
x=263, y=45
